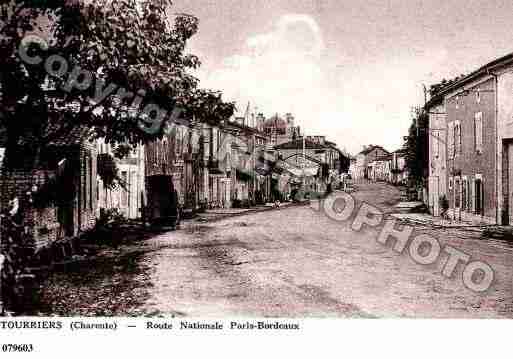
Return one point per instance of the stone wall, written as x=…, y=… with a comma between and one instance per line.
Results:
x=41, y=223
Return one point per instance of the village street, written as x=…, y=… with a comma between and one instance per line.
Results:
x=297, y=263
x=291, y=262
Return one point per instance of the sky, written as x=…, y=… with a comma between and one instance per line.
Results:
x=350, y=70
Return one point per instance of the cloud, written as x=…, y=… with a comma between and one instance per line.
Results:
x=289, y=69
x=274, y=70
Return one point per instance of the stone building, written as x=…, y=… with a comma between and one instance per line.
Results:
x=246, y=147
x=179, y=157
x=364, y=158
x=471, y=144
x=438, y=180
x=58, y=199
x=312, y=161
x=380, y=169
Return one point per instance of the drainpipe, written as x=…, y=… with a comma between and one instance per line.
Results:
x=498, y=147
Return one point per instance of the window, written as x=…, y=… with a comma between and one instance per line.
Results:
x=91, y=187
x=478, y=96
x=124, y=193
x=215, y=142
x=469, y=194
x=457, y=193
x=450, y=140
x=457, y=138
x=479, y=195
x=464, y=195
x=451, y=185
x=436, y=143
x=478, y=130
x=85, y=183
x=132, y=186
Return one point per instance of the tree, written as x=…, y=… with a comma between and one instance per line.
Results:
x=437, y=87
x=416, y=146
x=116, y=67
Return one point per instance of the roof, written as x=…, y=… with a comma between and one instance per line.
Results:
x=298, y=144
x=384, y=158
x=332, y=145
x=76, y=136
x=482, y=71
x=372, y=148
x=241, y=126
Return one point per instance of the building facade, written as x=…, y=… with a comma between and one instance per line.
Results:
x=475, y=114
x=380, y=169
x=438, y=138
x=58, y=199
x=312, y=162
x=130, y=198
x=364, y=158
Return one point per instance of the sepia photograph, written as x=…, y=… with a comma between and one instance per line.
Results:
x=254, y=165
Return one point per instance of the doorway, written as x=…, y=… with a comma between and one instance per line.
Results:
x=507, y=182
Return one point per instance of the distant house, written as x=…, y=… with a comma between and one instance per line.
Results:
x=175, y=163
x=364, y=158
x=245, y=161
x=380, y=169
x=320, y=161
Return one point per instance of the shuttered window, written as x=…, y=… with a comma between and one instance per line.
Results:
x=457, y=192
x=464, y=195
x=91, y=187
x=469, y=194
x=479, y=196
x=436, y=143
x=478, y=127
x=124, y=192
x=473, y=191
x=457, y=138
x=450, y=140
